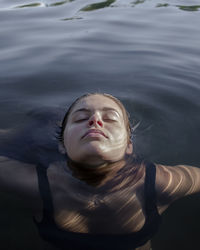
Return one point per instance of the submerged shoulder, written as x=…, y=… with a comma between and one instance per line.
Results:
x=18, y=177
x=7, y=163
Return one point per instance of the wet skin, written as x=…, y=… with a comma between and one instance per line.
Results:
x=95, y=132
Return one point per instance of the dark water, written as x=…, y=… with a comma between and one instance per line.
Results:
x=144, y=52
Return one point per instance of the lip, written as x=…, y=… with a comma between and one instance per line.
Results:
x=93, y=131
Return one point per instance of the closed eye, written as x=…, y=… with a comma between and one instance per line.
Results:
x=81, y=120
x=110, y=120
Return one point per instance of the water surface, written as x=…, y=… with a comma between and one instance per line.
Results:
x=144, y=52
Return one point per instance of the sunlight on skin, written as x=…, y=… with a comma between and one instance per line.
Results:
x=102, y=113
x=175, y=182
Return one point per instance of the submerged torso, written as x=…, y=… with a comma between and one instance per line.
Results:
x=116, y=207
x=79, y=207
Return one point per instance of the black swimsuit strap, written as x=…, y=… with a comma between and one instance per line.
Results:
x=149, y=190
x=45, y=192
x=62, y=238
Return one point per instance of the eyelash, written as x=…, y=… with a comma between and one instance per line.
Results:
x=110, y=120
x=107, y=120
x=81, y=120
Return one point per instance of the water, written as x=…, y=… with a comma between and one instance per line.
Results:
x=144, y=52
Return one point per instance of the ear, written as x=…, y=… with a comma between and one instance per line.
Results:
x=61, y=148
x=129, y=149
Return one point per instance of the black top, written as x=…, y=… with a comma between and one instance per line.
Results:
x=66, y=240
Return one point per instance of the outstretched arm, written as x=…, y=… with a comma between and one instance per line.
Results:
x=174, y=182
x=18, y=178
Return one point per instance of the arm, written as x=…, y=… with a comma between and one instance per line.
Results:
x=18, y=178
x=175, y=182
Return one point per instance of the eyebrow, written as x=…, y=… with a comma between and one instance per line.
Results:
x=103, y=109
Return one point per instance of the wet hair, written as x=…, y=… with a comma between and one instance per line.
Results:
x=125, y=113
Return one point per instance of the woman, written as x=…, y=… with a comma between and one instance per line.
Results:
x=103, y=196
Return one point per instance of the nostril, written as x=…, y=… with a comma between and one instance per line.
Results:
x=90, y=123
x=100, y=123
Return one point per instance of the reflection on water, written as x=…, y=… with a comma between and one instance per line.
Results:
x=72, y=18
x=189, y=8
x=96, y=6
x=43, y=4
x=29, y=5
x=162, y=5
x=89, y=7
x=59, y=3
x=138, y=2
x=104, y=4
x=181, y=7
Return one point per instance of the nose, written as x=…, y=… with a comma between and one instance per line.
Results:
x=95, y=121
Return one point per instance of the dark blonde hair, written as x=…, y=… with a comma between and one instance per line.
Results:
x=125, y=113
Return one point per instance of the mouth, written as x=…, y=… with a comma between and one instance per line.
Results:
x=94, y=131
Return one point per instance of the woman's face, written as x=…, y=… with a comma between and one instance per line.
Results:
x=95, y=132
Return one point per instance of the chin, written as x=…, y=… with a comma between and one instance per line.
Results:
x=99, y=157
x=94, y=147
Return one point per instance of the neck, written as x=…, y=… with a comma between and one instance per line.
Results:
x=95, y=175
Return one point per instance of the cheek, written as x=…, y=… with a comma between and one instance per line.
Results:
x=119, y=134
x=70, y=136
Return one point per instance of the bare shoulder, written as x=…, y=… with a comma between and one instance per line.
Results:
x=174, y=182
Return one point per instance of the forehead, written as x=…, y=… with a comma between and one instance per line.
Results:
x=97, y=102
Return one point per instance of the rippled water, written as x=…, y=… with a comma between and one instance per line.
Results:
x=144, y=52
